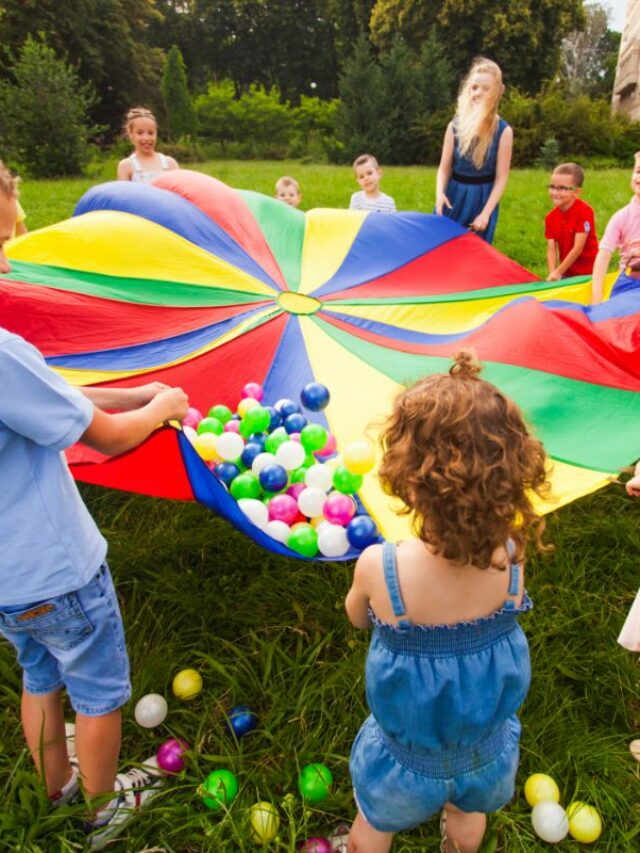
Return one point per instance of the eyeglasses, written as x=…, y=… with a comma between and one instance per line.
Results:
x=560, y=189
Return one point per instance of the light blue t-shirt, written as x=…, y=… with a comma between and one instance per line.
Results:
x=49, y=544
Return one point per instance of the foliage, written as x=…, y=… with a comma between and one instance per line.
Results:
x=589, y=55
x=438, y=79
x=179, y=111
x=549, y=156
x=45, y=114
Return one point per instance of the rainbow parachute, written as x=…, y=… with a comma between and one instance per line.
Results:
x=194, y=284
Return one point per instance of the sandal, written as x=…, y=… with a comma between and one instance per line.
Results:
x=339, y=838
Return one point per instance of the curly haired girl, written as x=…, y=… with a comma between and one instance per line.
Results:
x=448, y=665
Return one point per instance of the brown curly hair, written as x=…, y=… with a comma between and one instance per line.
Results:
x=458, y=454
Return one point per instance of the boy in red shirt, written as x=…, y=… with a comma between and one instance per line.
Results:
x=570, y=227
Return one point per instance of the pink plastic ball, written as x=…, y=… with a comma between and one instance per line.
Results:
x=295, y=490
x=170, y=755
x=339, y=508
x=253, y=389
x=283, y=508
x=294, y=436
x=316, y=845
x=192, y=418
x=232, y=426
x=329, y=448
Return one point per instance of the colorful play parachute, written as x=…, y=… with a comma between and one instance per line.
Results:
x=194, y=284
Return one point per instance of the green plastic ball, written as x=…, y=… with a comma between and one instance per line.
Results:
x=222, y=413
x=255, y=420
x=303, y=539
x=298, y=475
x=219, y=790
x=211, y=425
x=275, y=439
x=245, y=485
x=313, y=437
x=346, y=482
x=314, y=783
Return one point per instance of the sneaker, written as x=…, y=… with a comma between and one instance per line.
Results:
x=70, y=734
x=339, y=838
x=134, y=788
x=69, y=792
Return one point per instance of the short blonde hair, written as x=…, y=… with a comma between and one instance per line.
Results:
x=636, y=157
x=286, y=181
x=364, y=158
x=137, y=112
x=8, y=182
x=573, y=169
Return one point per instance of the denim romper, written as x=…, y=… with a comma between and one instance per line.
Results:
x=443, y=701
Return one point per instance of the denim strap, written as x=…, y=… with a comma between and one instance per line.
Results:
x=393, y=584
x=514, y=578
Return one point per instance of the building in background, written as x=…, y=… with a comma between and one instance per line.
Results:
x=626, y=89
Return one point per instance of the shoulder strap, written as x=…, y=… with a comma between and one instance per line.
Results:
x=390, y=565
x=164, y=162
x=514, y=578
x=135, y=163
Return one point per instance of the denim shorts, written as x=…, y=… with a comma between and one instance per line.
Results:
x=75, y=640
x=397, y=790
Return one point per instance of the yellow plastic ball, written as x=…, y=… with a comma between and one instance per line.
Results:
x=205, y=445
x=359, y=457
x=246, y=404
x=585, y=823
x=540, y=788
x=265, y=822
x=187, y=684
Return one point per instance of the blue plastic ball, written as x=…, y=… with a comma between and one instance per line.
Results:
x=242, y=720
x=295, y=422
x=286, y=407
x=276, y=420
x=257, y=438
x=227, y=471
x=362, y=531
x=251, y=450
x=273, y=478
x=315, y=396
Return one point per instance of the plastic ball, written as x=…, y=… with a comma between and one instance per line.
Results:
x=540, y=788
x=311, y=501
x=245, y=485
x=313, y=437
x=219, y=790
x=275, y=421
x=206, y=446
x=246, y=404
x=190, y=433
x=261, y=461
x=283, y=508
x=249, y=453
x=151, y=710
x=187, y=684
x=359, y=457
x=242, y=720
x=303, y=540
x=362, y=531
x=290, y=455
x=314, y=783
x=585, y=823
x=227, y=471
x=295, y=490
x=549, y=821
x=346, y=482
x=273, y=478
x=265, y=822
x=315, y=845
x=315, y=397
x=253, y=389
x=339, y=508
x=319, y=477
x=329, y=448
x=332, y=540
x=229, y=445
x=222, y=413
x=278, y=530
x=295, y=422
x=171, y=755
x=256, y=420
x=192, y=418
x=255, y=511
x=210, y=425
x=258, y=438
x=232, y=426
x=286, y=407
x=275, y=439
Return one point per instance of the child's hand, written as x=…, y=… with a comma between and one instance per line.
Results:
x=4, y=263
x=441, y=202
x=176, y=402
x=554, y=276
x=143, y=394
x=633, y=486
x=480, y=223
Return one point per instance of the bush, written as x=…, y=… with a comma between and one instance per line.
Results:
x=549, y=156
x=181, y=116
x=45, y=114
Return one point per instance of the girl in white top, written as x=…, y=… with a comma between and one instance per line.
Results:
x=145, y=163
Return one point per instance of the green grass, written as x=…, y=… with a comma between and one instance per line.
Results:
x=272, y=633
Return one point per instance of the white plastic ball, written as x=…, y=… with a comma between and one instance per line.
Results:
x=319, y=477
x=151, y=710
x=261, y=461
x=255, y=511
x=550, y=821
x=229, y=445
x=332, y=540
x=190, y=433
x=290, y=455
x=278, y=530
x=311, y=500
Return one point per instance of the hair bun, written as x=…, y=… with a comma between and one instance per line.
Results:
x=466, y=364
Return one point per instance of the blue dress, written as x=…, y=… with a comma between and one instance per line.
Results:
x=469, y=187
x=443, y=701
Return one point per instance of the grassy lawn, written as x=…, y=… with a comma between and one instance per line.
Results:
x=271, y=632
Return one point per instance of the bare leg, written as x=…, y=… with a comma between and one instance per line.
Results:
x=43, y=726
x=98, y=748
x=465, y=831
x=363, y=838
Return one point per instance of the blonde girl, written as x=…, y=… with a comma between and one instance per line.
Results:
x=12, y=216
x=476, y=153
x=145, y=163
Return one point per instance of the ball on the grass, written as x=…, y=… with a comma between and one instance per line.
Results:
x=314, y=782
x=242, y=720
x=151, y=710
x=549, y=821
x=219, y=790
x=265, y=822
x=171, y=755
x=585, y=823
x=539, y=788
x=187, y=684
x=316, y=845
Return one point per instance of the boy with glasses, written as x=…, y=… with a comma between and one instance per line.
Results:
x=570, y=228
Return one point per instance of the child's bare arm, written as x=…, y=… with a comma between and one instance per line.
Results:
x=633, y=485
x=444, y=170
x=552, y=256
x=600, y=268
x=357, y=600
x=125, y=170
x=123, y=399
x=578, y=246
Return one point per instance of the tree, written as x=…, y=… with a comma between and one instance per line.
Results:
x=437, y=76
x=589, y=56
x=180, y=114
x=360, y=119
x=403, y=104
x=45, y=112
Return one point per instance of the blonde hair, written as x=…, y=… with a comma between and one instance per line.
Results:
x=137, y=112
x=576, y=172
x=636, y=157
x=8, y=182
x=475, y=128
x=364, y=158
x=286, y=181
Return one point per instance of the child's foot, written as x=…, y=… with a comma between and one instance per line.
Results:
x=634, y=748
x=133, y=788
x=339, y=838
x=71, y=791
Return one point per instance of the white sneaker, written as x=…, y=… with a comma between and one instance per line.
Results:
x=71, y=790
x=134, y=788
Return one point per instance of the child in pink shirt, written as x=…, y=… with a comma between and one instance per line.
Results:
x=623, y=233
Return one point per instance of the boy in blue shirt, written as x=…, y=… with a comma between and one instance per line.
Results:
x=58, y=606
